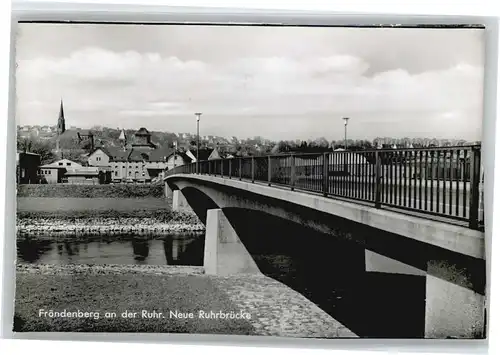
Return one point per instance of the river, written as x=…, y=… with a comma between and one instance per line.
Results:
x=176, y=249
x=328, y=272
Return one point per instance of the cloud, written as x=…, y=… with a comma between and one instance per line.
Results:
x=102, y=87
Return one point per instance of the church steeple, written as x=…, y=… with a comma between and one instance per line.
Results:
x=61, y=122
x=123, y=139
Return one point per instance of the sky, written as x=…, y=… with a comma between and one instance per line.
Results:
x=275, y=82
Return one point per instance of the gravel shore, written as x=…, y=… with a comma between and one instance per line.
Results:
x=35, y=227
x=109, y=222
x=87, y=269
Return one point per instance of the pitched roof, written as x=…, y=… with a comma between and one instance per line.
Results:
x=161, y=154
x=85, y=171
x=114, y=153
x=184, y=157
x=204, y=153
x=142, y=131
x=138, y=155
x=64, y=162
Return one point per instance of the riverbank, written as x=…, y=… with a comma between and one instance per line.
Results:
x=102, y=216
x=91, y=191
x=36, y=223
x=98, y=205
x=102, y=292
x=268, y=306
x=88, y=226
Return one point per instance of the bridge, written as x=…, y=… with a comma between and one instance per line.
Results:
x=412, y=213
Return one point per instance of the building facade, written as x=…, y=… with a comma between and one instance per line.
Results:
x=138, y=160
x=87, y=175
x=53, y=173
x=27, y=168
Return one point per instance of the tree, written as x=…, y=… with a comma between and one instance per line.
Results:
x=38, y=147
x=77, y=155
x=321, y=142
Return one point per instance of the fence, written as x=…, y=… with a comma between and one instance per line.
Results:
x=445, y=182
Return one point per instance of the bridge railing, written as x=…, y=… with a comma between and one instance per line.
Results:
x=445, y=182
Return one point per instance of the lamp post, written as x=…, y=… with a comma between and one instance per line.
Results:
x=175, y=150
x=197, y=114
x=345, y=131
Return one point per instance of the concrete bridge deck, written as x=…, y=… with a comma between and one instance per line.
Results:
x=439, y=233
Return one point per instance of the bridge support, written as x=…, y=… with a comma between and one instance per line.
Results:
x=179, y=202
x=452, y=310
x=225, y=254
x=168, y=191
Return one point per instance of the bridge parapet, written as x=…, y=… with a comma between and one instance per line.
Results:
x=442, y=182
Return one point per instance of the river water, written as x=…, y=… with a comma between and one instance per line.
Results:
x=328, y=272
x=178, y=249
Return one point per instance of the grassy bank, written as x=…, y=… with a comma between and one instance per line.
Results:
x=117, y=292
x=75, y=209
x=91, y=191
x=97, y=204
x=96, y=215
x=156, y=216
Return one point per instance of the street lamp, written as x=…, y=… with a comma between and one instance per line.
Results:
x=197, y=114
x=345, y=131
x=175, y=150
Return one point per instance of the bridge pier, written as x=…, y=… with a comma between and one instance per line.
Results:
x=225, y=254
x=168, y=191
x=179, y=202
x=450, y=310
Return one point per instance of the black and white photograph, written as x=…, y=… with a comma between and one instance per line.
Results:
x=259, y=180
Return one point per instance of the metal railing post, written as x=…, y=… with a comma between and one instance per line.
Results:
x=378, y=180
x=209, y=168
x=292, y=172
x=475, y=167
x=325, y=174
x=221, y=168
x=253, y=169
x=229, y=174
x=240, y=164
x=269, y=170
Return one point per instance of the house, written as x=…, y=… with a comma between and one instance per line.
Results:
x=87, y=175
x=141, y=160
x=27, y=168
x=53, y=173
x=99, y=157
x=203, y=154
x=214, y=155
x=86, y=137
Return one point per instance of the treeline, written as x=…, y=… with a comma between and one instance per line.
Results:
x=74, y=149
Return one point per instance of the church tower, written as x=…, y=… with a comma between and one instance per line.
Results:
x=61, y=122
x=61, y=126
x=123, y=139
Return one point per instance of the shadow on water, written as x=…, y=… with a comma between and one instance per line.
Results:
x=178, y=249
x=31, y=251
x=331, y=273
